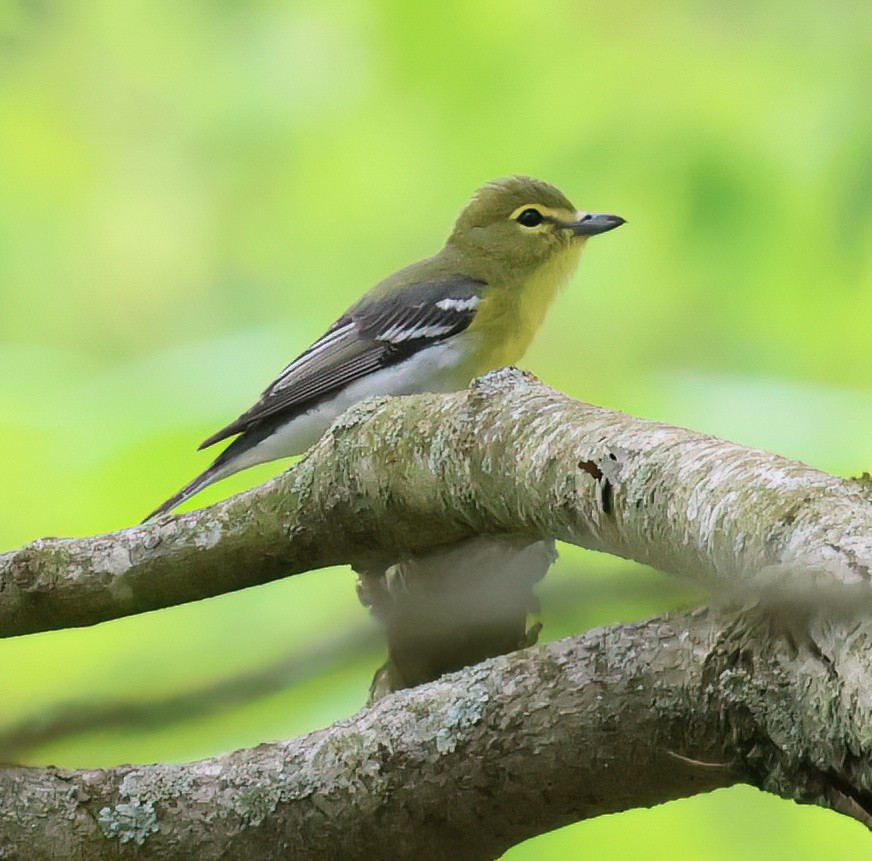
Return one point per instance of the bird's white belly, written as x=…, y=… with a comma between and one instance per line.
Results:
x=429, y=370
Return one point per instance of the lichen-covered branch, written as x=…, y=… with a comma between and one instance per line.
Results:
x=507, y=456
x=22, y=740
x=620, y=717
x=469, y=765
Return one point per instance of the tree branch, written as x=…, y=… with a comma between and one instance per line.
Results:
x=21, y=740
x=484, y=758
x=469, y=765
x=507, y=456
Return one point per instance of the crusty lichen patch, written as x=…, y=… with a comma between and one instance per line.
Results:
x=126, y=822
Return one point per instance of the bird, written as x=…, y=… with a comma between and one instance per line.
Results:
x=432, y=326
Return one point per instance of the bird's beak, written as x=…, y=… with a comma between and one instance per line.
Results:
x=591, y=223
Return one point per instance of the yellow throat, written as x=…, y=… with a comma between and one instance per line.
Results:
x=517, y=310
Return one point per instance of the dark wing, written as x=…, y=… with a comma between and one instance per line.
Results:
x=373, y=335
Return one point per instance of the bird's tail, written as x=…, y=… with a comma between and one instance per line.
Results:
x=214, y=473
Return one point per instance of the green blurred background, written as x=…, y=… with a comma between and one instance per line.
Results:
x=190, y=192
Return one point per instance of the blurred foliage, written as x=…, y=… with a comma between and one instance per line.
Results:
x=190, y=192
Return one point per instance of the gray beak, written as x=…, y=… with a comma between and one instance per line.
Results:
x=591, y=223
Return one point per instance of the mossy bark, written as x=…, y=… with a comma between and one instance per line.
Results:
x=467, y=766
x=509, y=456
x=773, y=693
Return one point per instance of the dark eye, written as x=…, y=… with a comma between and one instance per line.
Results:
x=530, y=217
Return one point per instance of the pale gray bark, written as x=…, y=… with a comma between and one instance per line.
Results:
x=507, y=456
x=328, y=652
x=473, y=763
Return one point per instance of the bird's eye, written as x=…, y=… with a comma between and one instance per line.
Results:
x=530, y=218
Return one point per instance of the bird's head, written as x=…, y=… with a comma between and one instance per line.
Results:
x=523, y=223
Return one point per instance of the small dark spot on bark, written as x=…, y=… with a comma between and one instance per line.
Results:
x=591, y=469
x=604, y=486
x=606, y=496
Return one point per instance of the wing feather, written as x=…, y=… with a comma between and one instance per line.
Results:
x=373, y=335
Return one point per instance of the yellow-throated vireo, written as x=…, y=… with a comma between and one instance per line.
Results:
x=431, y=327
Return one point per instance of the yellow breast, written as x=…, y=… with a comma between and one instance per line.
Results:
x=509, y=316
